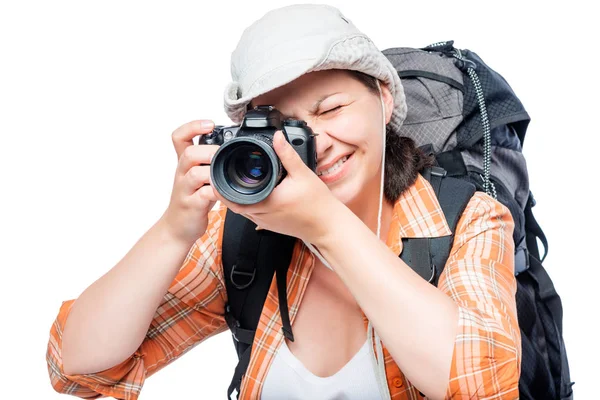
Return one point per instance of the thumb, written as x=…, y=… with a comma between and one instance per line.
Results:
x=289, y=157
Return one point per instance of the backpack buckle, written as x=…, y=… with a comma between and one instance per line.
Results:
x=232, y=322
x=531, y=200
x=438, y=171
x=241, y=286
x=432, y=277
x=521, y=260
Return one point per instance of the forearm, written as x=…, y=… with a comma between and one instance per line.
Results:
x=109, y=320
x=417, y=322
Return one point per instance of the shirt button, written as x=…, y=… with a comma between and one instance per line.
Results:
x=397, y=382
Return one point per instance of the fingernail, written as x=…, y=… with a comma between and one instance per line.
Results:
x=206, y=124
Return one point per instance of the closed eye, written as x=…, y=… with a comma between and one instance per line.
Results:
x=333, y=109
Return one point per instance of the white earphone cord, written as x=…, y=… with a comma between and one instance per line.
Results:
x=379, y=362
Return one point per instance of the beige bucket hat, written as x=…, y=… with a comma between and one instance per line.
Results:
x=294, y=40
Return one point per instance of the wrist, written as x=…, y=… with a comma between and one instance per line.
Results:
x=332, y=224
x=168, y=234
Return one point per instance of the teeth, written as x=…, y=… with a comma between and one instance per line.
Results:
x=334, y=167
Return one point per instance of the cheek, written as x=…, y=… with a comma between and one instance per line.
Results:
x=356, y=131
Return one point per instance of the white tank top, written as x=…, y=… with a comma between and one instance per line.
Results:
x=289, y=379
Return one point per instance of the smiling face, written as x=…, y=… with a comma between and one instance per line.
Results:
x=346, y=115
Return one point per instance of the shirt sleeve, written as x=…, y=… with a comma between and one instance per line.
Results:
x=191, y=311
x=479, y=277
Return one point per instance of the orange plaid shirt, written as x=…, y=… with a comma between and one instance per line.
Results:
x=478, y=276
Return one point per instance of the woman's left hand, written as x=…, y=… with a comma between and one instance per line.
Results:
x=300, y=206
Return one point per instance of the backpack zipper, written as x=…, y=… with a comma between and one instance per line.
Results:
x=470, y=66
x=444, y=47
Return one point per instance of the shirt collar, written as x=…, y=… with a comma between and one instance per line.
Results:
x=417, y=214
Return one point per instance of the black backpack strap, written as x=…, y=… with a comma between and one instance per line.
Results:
x=239, y=268
x=417, y=254
x=544, y=367
x=281, y=272
x=250, y=259
x=533, y=231
x=417, y=251
x=240, y=370
x=453, y=196
x=428, y=256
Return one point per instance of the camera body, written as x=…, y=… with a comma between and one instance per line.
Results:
x=246, y=169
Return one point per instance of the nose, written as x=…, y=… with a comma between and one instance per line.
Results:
x=324, y=143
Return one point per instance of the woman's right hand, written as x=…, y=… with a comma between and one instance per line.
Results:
x=192, y=197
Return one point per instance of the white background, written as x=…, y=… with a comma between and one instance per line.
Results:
x=89, y=97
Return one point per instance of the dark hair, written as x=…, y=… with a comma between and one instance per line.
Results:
x=403, y=159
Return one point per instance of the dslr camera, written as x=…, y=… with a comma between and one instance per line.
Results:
x=246, y=169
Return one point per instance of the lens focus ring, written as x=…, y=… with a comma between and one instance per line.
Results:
x=246, y=169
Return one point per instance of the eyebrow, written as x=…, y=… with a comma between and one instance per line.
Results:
x=317, y=104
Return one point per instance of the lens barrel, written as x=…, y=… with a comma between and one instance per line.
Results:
x=246, y=169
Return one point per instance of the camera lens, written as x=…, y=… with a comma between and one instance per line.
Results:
x=248, y=169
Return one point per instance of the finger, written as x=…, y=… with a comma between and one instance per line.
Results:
x=234, y=207
x=196, y=177
x=206, y=192
x=182, y=136
x=248, y=217
x=196, y=155
x=287, y=154
x=223, y=200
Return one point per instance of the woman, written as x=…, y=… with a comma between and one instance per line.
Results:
x=349, y=292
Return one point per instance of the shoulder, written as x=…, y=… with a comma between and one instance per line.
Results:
x=484, y=211
x=485, y=228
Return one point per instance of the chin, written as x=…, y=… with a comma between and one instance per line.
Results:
x=348, y=192
x=354, y=191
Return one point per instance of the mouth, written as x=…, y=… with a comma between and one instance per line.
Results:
x=337, y=165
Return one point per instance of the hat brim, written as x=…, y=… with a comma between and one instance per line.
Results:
x=235, y=106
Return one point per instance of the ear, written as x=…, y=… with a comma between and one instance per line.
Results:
x=388, y=101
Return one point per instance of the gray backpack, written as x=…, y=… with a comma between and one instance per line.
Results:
x=466, y=114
